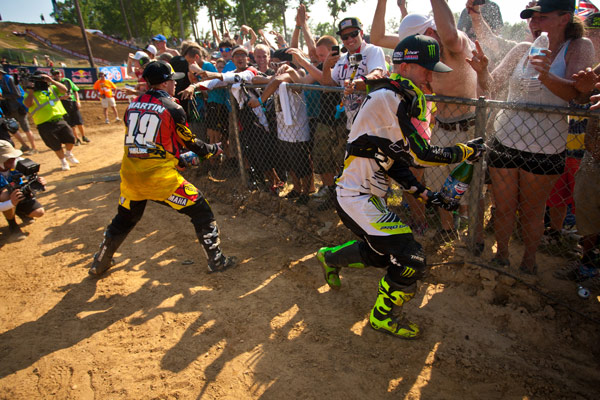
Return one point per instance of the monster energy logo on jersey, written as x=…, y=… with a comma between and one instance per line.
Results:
x=431, y=48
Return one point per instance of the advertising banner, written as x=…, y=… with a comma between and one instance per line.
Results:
x=92, y=95
x=77, y=75
x=115, y=74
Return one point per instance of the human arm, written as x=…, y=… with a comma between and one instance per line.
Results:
x=314, y=74
x=299, y=20
x=216, y=36
x=265, y=40
x=328, y=64
x=484, y=33
x=269, y=90
x=280, y=39
x=446, y=27
x=189, y=139
x=403, y=8
x=8, y=201
x=378, y=35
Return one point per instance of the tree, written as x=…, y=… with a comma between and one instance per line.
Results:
x=339, y=6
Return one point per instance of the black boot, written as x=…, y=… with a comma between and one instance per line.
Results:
x=103, y=258
x=334, y=258
x=209, y=239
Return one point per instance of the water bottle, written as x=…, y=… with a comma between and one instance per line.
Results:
x=541, y=43
x=189, y=159
x=457, y=182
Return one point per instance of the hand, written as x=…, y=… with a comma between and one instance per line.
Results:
x=253, y=103
x=472, y=9
x=194, y=68
x=16, y=197
x=349, y=87
x=438, y=200
x=42, y=181
x=478, y=147
x=330, y=60
x=78, y=105
x=244, y=29
x=219, y=150
x=479, y=62
x=188, y=92
x=301, y=15
x=585, y=80
x=297, y=54
x=283, y=69
x=542, y=63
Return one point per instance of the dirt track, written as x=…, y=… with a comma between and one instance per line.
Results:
x=156, y=327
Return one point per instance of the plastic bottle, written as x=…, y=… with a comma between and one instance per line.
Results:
x=457, y=182
x=541, y=43
x=583, y=292
x=190, y=159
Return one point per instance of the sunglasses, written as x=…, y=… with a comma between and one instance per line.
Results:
x=224, y=49
x=352, y=34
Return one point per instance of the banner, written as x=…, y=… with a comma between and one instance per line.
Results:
x=115, y=40
x=114, y=74
x=585, y=8
x=77, y=75
x=92, y=95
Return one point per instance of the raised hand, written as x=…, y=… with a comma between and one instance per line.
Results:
x=479, y=62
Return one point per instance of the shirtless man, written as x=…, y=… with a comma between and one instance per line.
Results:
x=160, y=41
x=454, y=123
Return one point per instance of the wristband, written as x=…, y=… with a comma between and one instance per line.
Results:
x=298, y=27
x=261, y=104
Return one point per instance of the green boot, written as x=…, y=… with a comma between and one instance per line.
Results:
x=332, y=259
x=383, y=319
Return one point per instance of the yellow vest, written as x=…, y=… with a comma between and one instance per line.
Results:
x=47, y=106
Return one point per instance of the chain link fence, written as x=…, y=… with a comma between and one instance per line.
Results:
x=293, y=146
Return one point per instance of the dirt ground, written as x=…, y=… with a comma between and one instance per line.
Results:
x=157, y=326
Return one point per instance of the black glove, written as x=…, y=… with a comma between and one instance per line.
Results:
x=438, y=200
x=478, y=148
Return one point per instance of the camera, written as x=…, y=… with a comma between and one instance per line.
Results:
x=478, y=2
x=355, y=59
x=29, y=185
x=10, y=124
x=32, y=81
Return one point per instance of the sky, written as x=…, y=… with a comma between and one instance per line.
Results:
x=12, y=10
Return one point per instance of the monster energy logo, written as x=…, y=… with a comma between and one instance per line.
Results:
x=431, y=48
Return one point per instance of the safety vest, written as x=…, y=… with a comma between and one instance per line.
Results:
x=47, y=106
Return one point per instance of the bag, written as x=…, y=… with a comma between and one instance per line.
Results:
x=10, y=124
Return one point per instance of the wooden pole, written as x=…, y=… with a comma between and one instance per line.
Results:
x=83, y=33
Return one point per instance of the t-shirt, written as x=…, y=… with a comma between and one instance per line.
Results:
x=219, y=96
x=105, y=88
x=71, y=88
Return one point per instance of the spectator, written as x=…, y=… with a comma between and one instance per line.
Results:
x=453, y=123
x=49, y=62
x=262, y=56
x=34, y=61
x=72, y=105
x=13, y=202
x=42, y=98
x=220, y=64
x=302, y=26
x=148, y=173
x=490, y=13
x=528, y=151
x=104, y=88
x=160, y=42
x=225, y=48
x=249, y=44
x=151, y=51
x=371, y=64
x=13, y=107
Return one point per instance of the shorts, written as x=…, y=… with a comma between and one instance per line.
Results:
x=73, y=116
x=295, y=157
x=500, y=156
x=329, y=148
x=27, y=206
x=54, y=134
x=562, y=192
x=108, y=102
x=217, y=118
x=436, y=176
x=585, y=193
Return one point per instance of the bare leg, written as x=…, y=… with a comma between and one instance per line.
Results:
x=505, y=187
x=31, y=139
x=557, y=217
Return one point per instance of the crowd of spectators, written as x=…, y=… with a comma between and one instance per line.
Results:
x=292, y=135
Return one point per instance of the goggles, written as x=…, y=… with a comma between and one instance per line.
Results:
x=224, y=49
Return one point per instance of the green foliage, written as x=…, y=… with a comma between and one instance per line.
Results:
x=518, y=32
x=324, y=28
x=338, y=7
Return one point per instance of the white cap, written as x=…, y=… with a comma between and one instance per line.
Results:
x=138, y=55
x=152, y=49
x=414, y=24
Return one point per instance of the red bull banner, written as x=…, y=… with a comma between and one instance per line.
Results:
x=77, y=75
x=91, y=95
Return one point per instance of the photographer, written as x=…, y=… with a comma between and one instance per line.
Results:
x=16, y=196
x=42, y=98
x=12, y=105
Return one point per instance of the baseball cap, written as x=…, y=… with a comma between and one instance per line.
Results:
x=422, y=50
x=7, y=151
x=593, y=21
x=54, y=71
x=282, y=55
x=414, y=24
x=152, y=49
x=238, y=49
x=545, y=6
x=139, y=54
x=159, y=38
x=160, y=71
x=350, y=22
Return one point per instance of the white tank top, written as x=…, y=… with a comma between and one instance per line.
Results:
x=534, y=132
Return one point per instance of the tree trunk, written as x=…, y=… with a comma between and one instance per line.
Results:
x=83, y=33
x=125, y=18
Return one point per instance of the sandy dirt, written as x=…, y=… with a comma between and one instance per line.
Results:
x=157, y=326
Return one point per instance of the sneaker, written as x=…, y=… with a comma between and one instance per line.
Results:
x=85, y=139
x=323, y=192
x=331, y=274
x=77, y=142
x=223, y=264
x=71, y=158
x=25, y=220
x=33, y=151
x=107, y=121
x=64, y=165
x=15, y=233
x=117, y=119
x=25, y=148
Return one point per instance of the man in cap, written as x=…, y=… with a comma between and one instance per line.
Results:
x=383, y=144
x=361, y=60
x=12, y=201
x=156, y=137
x=105, y=89
x=453, y=123
x=160, y=41
x=12, y=107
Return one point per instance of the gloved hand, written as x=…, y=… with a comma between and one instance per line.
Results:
x=189, y=159
x=478, y=147
x=438, y=200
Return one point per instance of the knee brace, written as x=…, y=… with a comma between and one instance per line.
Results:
x=409, y=265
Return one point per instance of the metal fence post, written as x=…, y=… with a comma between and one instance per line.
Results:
x=476, y=203
x=236, y=135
